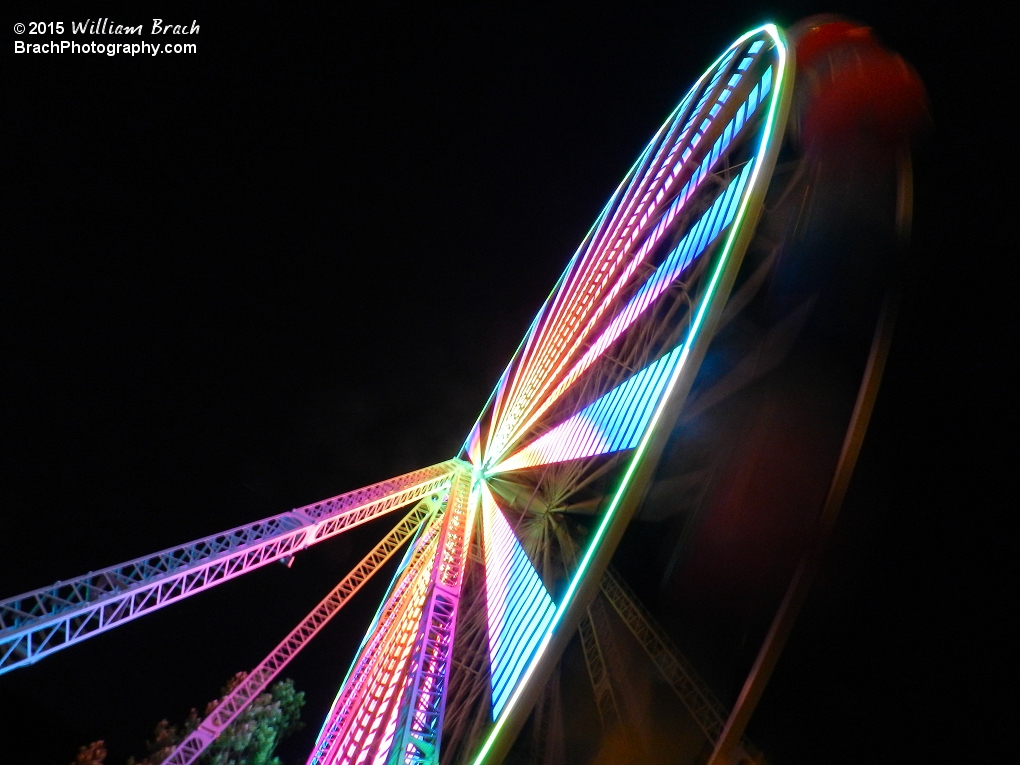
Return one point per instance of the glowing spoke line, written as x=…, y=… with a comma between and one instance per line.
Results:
x=519, y=606
x=394, y=608
x=611, y=237
x=524, y=373
x=552, y=298
x=511, y=430
x=612, y=422
x=553, y=327
x=422, y=709
x=618, y=325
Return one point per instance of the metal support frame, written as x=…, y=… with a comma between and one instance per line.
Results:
x=37, y=623
x=365, y=669
x=714, y=291
x=707, y=711
x=590, y=629
x=373, y=717
x=468, y=701
x=421, y=724
x=235, y=702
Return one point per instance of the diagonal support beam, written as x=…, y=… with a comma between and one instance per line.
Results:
x=417, y=738
x=705, y=708
x=592, y=637
x=37, y=623
x=369, y=713
x=191, y=748
x=707, y=711
x=385, y=631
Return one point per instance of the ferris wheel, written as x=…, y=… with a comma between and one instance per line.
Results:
x=505, y=550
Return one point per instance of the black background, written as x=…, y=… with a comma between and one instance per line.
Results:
x=295, y=263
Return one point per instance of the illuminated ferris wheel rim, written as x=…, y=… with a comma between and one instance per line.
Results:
x=688, y=353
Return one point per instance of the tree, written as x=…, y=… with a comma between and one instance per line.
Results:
x=93, y=754
x=250, y=739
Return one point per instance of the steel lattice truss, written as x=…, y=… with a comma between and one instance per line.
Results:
x=572, y=430
x=258, y=679
x=37, y=623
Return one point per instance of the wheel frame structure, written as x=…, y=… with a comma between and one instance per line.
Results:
x=574, y=429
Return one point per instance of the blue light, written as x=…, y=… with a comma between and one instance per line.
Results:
x=519, y=607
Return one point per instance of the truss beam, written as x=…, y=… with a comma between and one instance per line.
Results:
x=370, y=712
x=705, y=708
x=594, y=657
x=189, y=750
x=418, y=734
x=37, y=623
x=391, y=615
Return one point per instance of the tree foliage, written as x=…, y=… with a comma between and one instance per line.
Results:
x=93, y=754
x=250, y=739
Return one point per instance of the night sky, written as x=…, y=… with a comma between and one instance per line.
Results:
x=295, y=262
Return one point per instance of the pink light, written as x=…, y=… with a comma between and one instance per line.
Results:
x=533, y=378
x=534, y=390
x=620, y=323
x=354, y=710
x=553, y=446
x=474, y=450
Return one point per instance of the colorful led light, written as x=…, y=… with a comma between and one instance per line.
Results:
x=416, y=732
x=578, y=297
x=372, y=673
x=371, y=704
x=612, y=422
x=689, y=247
x=473, y=445
x=391, y=708
x=414, y=558
x=518, y=605
x=596, y=268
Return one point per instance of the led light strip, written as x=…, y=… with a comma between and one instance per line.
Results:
x=372, y=704
x=542, y=378
x=473, y=445
x=534, y=366
x=519, y=606
x=612, y=422
x=732, y=129
x=704, y=232
x=579, y=286
x=382, y=633
x=521, y=354
x=422, y=708
x=615, y=240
